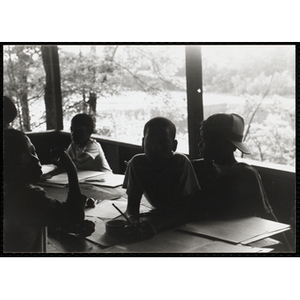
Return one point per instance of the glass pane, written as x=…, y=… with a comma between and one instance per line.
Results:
x=258, y=83
x=125, y=86
x=24, y=83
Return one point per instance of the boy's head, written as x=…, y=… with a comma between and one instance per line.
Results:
x=21, y=163
x=9, y=111
x=159, y=140
x=82, y=126
x=222, y=134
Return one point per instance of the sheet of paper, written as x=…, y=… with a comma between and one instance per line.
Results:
x=262, y=236
x=82, y=175
x=108, y=179
x=223, y=247
x=105, y=210
x=99, y=231
x=236, y=231
x=180, y=242
x=169, y=241
x=48, y=168
x=100, y=237
x=60, y=192
x=267, y=242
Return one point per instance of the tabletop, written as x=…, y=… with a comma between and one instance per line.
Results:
x=171, y=241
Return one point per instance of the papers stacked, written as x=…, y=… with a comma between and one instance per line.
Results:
x=85, y=176
x=239, y=231
x=105, y=210
x=106, y=179
x=62, y=178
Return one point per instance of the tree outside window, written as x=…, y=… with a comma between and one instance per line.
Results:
x=124, y=86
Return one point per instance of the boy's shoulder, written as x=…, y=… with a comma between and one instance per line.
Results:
x=177, y=157
x=248, y=171
x=91, y=142
x=180, y=157
x=240, y=169
x=138, y=158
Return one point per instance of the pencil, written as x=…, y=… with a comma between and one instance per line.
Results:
x=128, y=220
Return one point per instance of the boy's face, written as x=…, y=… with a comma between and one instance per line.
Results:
x=158, y=145
x=80, y=135
x=212, y=149
x=208, y=147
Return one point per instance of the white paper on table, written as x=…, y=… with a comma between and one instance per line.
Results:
x=262, y=236
x=223, y=247
x=99, y=230
x=82, y=175
x=107, y=179
x=105, y=209
x=48, y=168
x=244, y=230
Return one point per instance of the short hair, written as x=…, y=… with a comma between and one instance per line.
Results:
x=84, y=120
x=161, y=122
x=9, y=110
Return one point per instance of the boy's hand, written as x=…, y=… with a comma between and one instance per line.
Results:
x=45, y=176
x=62, y=159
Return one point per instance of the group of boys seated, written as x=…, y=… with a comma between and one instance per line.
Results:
x=178, y=189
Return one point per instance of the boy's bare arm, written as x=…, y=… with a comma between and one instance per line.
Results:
x=133, y=206
x=64, y=161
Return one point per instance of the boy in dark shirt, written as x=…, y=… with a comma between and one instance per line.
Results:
x=228, y=187
x=27, y=209
x=166, y=178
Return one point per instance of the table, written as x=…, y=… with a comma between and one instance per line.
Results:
x=171, y=241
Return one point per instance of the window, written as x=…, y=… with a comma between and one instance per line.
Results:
x=124, y=86
x=258, y=83
x=23, y=82
x=128, y=85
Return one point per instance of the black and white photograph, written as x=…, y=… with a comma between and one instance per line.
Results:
x=149, y=148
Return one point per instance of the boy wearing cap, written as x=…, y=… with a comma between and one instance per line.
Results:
x=228, y=187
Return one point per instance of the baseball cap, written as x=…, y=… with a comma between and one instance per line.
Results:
x=229, y=126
